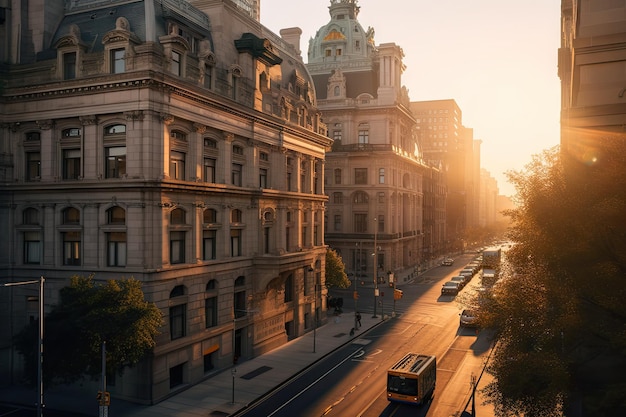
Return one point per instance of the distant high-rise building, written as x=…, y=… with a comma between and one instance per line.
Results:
x=447, y=142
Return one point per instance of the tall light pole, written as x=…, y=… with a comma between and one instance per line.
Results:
x=314, y=308
x=40, y=281
x=356, y=291
x=375, y=267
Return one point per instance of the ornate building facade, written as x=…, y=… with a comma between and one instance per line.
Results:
x=375, y=174
x=175, y=142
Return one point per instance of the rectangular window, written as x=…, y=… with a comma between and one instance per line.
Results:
x=32, y=248
x=178, y=319
x=289, y=181
x=236, y=175
x=71, y=248
x=116, y=249
x=177, y=375
x=210, y=312
x=33, y=166
x=235, y=242
x=209, y=245
x=360, y=222
x=381, y=197
x=337, y=135
x=71, y=164
x=69, y=66
x=240, y=304
x=263, y=177
x=266, y=240
x=175, y=65
x=381, y=175
x=115, y=161
x=381, y=223
x=337, y=222
x=118, y=61
x=177, y=247
x=337, y=176
x=360, y=176
x=177, y=165
x=364, y=136
x=338, y=198
x=209, y=170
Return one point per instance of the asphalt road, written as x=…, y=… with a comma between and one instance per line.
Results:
x=352, y=380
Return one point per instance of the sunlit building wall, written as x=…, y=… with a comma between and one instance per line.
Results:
x=446, y=141
x=592, y=69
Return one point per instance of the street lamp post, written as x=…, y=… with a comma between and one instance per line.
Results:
x=40, y=281
x=314, y=310
x=356, y=291
x=375, y=267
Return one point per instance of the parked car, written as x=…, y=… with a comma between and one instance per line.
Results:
x=467, y=271
x=450, y=288
x=468, y=318
x=460, y=279
x=447, y=262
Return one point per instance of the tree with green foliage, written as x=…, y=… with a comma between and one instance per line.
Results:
x=335, y=271
x=88, y=314
x=558, y=309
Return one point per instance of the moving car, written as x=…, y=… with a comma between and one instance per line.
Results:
x=447, y=262
x=468, y=318
x=450, y=287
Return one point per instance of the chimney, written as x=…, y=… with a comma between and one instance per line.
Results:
x=292, y=37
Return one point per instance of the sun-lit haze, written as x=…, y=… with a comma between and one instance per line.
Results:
x=497, y=59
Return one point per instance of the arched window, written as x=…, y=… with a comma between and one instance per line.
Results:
x=240, y=297
x=235, y=216
x=210, y=304
x=115, y=151
x=178, y=312
x=71, y=215
x=209, y=216
x=177, y=216
x=116, y=215
x=30, y=216
x=116, y=238
x=71, y=237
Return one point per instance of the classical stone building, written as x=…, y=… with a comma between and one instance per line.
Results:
x=375, y=173
x=175, y=142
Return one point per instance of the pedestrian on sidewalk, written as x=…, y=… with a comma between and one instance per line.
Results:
x=358, y=319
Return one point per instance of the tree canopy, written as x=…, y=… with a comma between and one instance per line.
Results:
x=88, y=314
x=335, y=271
x=559, y=307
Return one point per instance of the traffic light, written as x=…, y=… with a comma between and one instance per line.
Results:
x=355, y=295
x=397, y=294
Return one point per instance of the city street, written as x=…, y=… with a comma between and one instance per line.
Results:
x=352, y=380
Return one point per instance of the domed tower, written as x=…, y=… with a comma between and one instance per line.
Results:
x=342, y=48
x=343, y=38
x=374, y=170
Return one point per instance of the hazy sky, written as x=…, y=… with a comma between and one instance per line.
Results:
x=496, y=58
